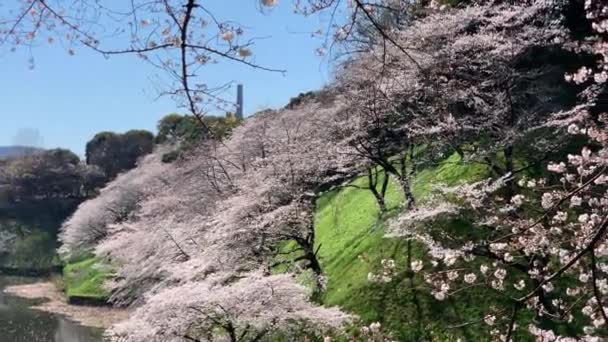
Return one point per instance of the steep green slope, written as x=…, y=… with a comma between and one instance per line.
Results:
x=84, y=280
x=452, y=171
x=350, y=235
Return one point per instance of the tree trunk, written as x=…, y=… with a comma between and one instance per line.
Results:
x=403, y=176
x=308, y=246
x=314, y=264
x=372, y=176
x=231, y=332
x=310, y=255
x=509, y=168
x=458, y=150
x=410, y=201
x=406, y=176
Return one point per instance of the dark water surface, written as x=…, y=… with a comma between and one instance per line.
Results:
x=19, y=323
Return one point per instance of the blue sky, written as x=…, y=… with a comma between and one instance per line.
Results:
x=70, y=98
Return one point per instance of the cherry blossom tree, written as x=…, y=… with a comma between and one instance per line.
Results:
x=489, y=80
x=215, y=216
x=250, y=309
x=292, y=162
x=540, y=250
x=115, y=203
x=469, y=82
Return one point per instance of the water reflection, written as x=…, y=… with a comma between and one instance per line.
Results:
x=19, y=323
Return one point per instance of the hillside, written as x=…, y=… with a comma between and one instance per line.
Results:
x=352, y=244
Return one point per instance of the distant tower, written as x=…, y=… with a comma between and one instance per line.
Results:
x=239, y=101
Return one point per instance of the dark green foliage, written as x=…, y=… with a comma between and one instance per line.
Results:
x=169, y=128
x=53, y=173
x=170, y=157
x=188, y=130
x=136, y=143
x=37, y=192
x=102, y=151
x=34, y=236
x=301, y=98
x=36, y=250
x=114, y=153
x=93, y=179
x=575, y=19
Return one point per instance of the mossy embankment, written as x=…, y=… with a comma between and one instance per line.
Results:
x=83, y=280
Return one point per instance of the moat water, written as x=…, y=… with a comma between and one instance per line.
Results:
x=20, y=323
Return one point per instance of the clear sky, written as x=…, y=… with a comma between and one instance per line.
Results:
x=70, y=98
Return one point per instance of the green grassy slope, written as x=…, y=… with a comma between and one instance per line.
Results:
x=452, y=171
x=350, y=234
x=85, y=278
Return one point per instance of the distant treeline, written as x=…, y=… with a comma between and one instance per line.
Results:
x=60, y=173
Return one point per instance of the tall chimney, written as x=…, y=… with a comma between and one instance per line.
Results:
x=239, y=101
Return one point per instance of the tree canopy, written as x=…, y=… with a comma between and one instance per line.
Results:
x=45, y=174
x=114, y=153
x=187, y=130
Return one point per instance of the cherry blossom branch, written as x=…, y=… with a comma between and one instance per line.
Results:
x=555, y=206
x=385, y=35
x=596, y=291
x=18, y=21
x=232, y=58
x=591, y=245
